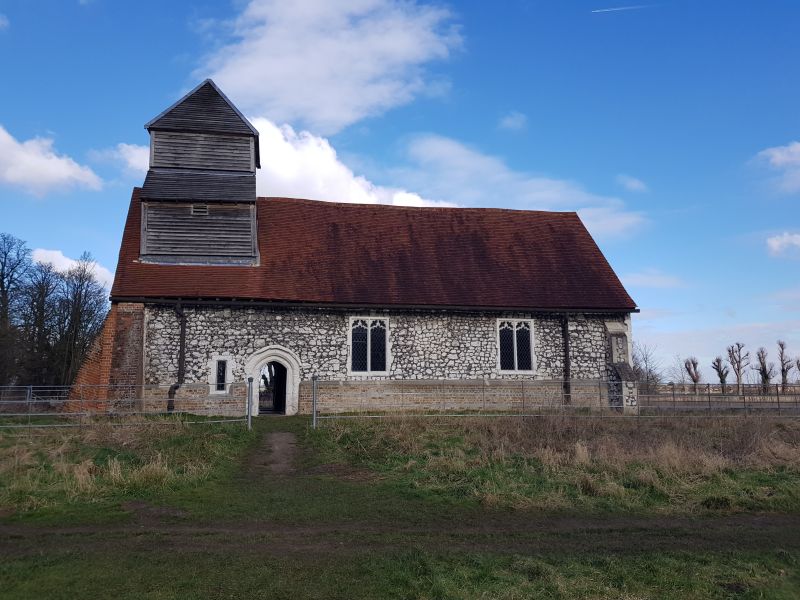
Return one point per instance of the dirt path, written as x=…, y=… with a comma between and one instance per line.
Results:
x=501, y=534
x=276, y=453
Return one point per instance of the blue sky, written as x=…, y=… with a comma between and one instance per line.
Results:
x=672, y=128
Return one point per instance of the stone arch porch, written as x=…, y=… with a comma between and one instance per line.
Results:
x=289, y=360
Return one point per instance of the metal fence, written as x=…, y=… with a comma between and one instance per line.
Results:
x=524, y=398
x=713, y=398
x=81, y=405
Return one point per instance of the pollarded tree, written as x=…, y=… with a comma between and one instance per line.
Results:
x=722, y=372
x=739, y=361
x=765, y=370
x=692, y=367
x=785, y=365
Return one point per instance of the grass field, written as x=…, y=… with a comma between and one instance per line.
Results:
x=502, y=508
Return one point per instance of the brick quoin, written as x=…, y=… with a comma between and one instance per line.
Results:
x=113, y=364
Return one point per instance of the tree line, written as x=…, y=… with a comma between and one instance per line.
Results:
x=48, y=318
x=737, y=362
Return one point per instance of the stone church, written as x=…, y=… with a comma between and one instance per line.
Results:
x=382, y=305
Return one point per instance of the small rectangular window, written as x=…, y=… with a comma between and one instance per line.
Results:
x=199, y=210
x=222, y=367
x=515, y=345
x=368, y=345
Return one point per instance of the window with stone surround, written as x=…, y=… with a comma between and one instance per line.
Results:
x=515, y=345
x=369, y=339
x=222, y=367
x=220, y=373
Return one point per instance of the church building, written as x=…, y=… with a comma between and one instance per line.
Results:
x=384, y=306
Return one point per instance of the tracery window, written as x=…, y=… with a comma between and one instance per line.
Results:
x=515, y=344
x=368, y=345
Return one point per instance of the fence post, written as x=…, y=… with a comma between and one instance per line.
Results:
x=674, y=402
x=600, y=394
x=778, y=396
x=313, y=401
x=29, y=398
x=708, y=394
x=249, y=403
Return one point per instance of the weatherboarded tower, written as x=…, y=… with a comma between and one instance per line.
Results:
x=199, y=196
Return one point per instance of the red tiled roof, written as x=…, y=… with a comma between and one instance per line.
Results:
x=377, y=255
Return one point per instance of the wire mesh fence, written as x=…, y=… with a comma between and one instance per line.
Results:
x=522, y=398
x=81, y=405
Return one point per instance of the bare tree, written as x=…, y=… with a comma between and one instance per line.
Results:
x=81, y=310
x=765, y=370
x=785, y=365
x=37, y=311
x=739, y=361
x=647, y=368
x=48, y=319
x=691, y=365
x=15, y=260
x=722, y=372
x=676, y=372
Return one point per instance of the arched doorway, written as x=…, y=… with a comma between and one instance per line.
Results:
x=272, y=389
x=282, y=386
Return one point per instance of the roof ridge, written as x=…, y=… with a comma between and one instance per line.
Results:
x=407, y=207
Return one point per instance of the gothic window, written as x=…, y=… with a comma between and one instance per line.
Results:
x=360, y=342
x=368, y=345
x=515, y=341
x=377, y=346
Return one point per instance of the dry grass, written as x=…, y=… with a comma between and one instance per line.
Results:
x=558, y=462
x=90, y=464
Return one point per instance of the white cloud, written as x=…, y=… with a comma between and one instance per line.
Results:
x=438, y=171
x=652, y=278
x=4, y=22
x=632, y=184
x=327, y=65
x=64, y=263
x=35, y=167
x=784, y=244
x=300, y=164
x=443, y=168
x=134, y=159
x=513, y=121
x=786, y=161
